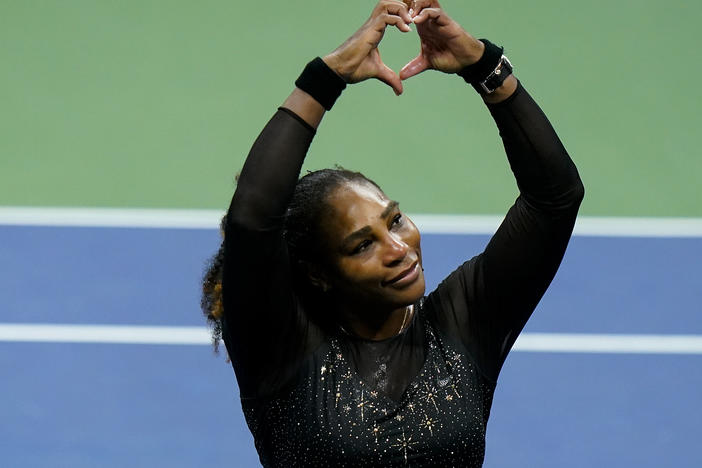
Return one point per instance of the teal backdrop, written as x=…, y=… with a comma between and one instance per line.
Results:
x=155, y=103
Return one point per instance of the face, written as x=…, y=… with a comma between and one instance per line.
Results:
x=374, y=252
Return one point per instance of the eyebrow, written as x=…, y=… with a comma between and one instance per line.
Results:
x=364, y=231
x=389, y=209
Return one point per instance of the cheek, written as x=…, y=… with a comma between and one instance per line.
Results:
x=414, y=238
x=356, y=271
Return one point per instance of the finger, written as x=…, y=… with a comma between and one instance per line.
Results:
x=415, y=67
x=399, y=9
x=426, y=14
x=417, y=6
x=390, y=78
x=391, y=20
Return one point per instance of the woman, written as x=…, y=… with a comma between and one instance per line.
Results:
x=341, y=359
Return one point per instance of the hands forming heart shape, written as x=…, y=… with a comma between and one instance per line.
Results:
x=445, y=45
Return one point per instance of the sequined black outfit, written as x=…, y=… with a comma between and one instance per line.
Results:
x=422, y=398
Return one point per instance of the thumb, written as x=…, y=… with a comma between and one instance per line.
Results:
x=414, y=67
x=389, y=77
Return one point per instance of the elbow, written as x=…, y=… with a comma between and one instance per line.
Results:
x=572, y=195
x=572, y=189
x=252, y=210
x=564, y=196
x=578, y=191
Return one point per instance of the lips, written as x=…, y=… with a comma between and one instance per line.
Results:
x=405, y=276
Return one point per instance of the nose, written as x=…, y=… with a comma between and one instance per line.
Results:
x=396, y=250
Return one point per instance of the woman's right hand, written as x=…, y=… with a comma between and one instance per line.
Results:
x=446, y=46
x=358, y=58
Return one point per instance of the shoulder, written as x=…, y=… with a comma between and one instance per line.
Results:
x=460, y=285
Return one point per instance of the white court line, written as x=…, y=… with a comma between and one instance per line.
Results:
x=530, y=342
x=609, y=343
x=116, y=334
x=109, y=217
x=428, y=223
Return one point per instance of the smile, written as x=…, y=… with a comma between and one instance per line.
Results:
x=406, y=277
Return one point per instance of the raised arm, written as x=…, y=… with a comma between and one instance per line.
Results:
x=264, y=327
x=262, y=194
x=256, y=283
x=489, y=299
x=523, y=256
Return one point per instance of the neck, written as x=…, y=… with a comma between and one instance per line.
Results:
x=375, y=324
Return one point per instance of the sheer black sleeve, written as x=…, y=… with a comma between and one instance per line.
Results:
x=264, y=328
x=487, y=301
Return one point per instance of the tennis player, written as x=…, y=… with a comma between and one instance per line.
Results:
x=318, y=291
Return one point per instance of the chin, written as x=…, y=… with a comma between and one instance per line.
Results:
x=416, y=291
x=420, y=291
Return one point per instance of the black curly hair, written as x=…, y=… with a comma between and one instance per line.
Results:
x=302, y=232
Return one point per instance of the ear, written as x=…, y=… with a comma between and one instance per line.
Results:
x=318, y=278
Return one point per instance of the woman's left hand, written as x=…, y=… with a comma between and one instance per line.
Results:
x=358, y=58
x=446, y=46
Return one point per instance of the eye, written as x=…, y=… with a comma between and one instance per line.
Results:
x=396, y=220
x=361, y=247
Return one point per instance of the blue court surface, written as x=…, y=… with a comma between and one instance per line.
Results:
x=93, y=404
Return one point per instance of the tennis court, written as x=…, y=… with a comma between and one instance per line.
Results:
x=135, y=393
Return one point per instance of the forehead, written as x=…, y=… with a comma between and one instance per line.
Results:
x=355, y=205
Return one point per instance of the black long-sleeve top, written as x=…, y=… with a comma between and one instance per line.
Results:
x=318, y=398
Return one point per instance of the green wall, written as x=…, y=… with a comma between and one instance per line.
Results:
x=155, y=104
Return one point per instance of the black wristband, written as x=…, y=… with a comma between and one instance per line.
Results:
x=321, y=82
x=480, y=70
